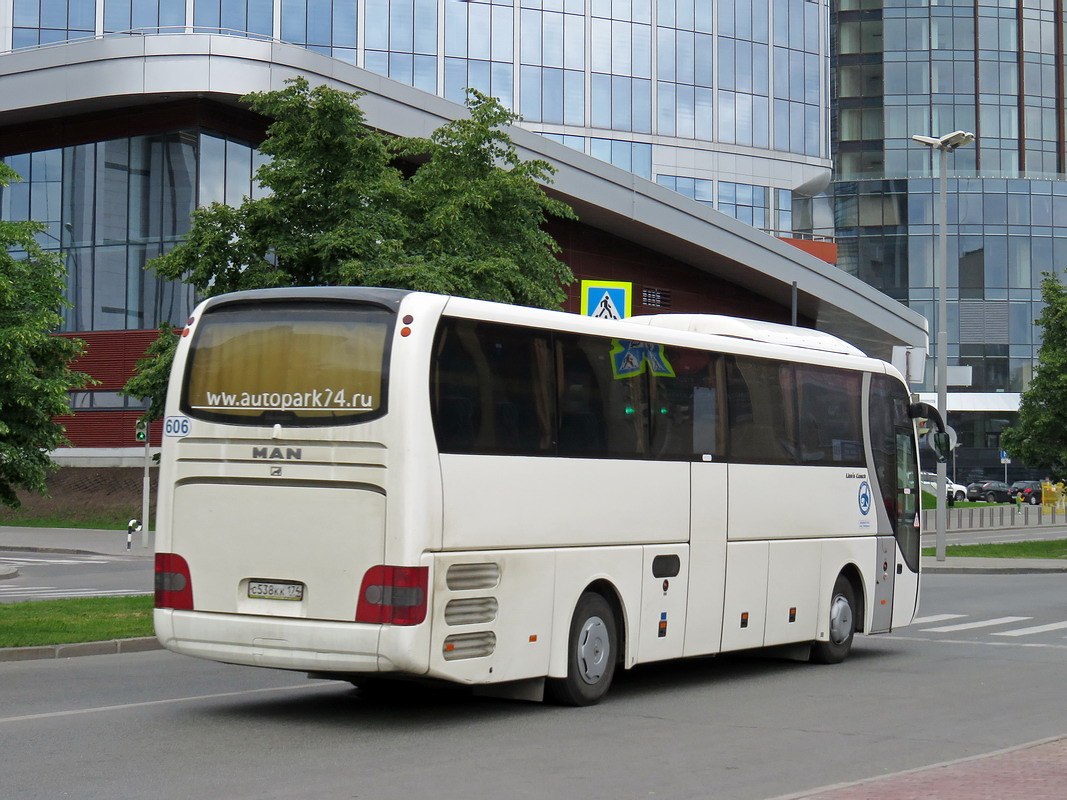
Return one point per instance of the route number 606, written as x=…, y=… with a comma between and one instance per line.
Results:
x=176, y=426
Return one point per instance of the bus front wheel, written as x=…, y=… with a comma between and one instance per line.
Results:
x=842, y=625
x=591, y=654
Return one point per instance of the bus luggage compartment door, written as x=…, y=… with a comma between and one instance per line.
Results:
x=664, y=589
x=247, y=542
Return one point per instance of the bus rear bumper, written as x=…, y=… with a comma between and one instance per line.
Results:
x=297, y=644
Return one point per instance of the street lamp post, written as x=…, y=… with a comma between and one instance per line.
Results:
x=945, y=144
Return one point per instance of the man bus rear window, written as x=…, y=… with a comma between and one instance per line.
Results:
x=293, y=363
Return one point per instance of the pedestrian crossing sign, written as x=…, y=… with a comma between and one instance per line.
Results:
x=606, y=299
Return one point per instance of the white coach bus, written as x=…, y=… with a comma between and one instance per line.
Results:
x=372, y=483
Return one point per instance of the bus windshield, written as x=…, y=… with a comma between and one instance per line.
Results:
x=290, y=363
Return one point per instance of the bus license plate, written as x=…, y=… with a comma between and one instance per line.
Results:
x=275, y=590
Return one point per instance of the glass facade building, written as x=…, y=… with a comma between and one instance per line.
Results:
x=707, y=97
x=930, y=67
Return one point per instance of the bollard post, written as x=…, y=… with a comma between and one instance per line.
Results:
x=131, y=526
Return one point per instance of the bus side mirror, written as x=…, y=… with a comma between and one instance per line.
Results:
x=939, y=440
x=940, y=444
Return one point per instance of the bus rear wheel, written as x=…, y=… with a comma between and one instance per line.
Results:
x=591, y=654
x=842, y=625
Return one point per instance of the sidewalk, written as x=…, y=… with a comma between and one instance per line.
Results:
x=1033, y=771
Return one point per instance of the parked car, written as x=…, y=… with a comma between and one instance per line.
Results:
x=954, y=492
x=990, y=491
x=1029, y=490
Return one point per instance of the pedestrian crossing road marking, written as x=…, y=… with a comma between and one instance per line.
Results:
x=966, y=626
x=936, y=618
x=1052, y=626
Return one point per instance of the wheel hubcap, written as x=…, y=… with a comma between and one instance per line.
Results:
x=840, y=619
x=594, y=650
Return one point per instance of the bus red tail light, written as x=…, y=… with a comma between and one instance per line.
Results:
x=174, y=588
x=393, y=595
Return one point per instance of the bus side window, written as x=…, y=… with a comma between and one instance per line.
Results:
x=492, y=389
x=601, y=414
x=760, y=425
x=453, y=389
x=828, y=405
x=686, y=419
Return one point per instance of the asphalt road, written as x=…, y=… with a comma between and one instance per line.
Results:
x=164, y=726
x=48, y=576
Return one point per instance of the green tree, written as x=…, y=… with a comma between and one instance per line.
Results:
x=339, y=210
x=475, y=213
x=1039, y=438
x=35, y=373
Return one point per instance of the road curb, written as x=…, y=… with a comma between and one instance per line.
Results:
x=927, y=570
x=109, y=647
x=58, y=550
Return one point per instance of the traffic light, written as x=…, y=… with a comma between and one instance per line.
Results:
x=142, y=431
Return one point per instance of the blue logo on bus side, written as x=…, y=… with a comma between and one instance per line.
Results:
x=865, y=498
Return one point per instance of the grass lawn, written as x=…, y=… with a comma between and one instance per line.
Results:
x=103, y=522
x=92, y=619
x=1056, y=548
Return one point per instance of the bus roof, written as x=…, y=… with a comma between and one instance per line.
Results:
x=752, y=330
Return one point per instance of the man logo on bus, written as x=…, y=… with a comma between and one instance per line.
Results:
x=277, y=452
x=865, y=498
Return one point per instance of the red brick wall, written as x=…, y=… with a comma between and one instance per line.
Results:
x=110, y=357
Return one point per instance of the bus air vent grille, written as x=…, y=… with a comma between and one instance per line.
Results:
x=471, y=610
x=469, y=645
x=472, y=576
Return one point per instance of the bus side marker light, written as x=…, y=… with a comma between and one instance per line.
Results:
x=405, y=331
x=793, y=615
x=533, y=638
x=744, y=619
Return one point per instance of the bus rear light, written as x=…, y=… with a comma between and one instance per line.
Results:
x=393, y=595
x=174, y=587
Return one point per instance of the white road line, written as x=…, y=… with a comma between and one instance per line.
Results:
x=56, y=594
x=147, y=703
x=24, y=589
x=37, y=562
x=935, y=618
x=1052, y=626
x=966, y=626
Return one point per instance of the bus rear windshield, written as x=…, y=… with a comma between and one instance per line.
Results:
x=291, y=363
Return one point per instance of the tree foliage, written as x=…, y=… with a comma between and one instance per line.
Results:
x=465, y=218
x=35, y=373
x=1039, y=438
x=153, y=371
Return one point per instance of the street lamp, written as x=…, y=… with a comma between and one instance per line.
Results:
x=945, y=144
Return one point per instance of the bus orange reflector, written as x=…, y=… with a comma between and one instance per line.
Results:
x=449, y=647
x=533, y=638
x=883, y=602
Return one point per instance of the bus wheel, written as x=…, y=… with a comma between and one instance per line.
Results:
x=842, y=625
x=591, y=654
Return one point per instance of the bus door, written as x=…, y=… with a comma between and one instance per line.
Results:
x=895, y=490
